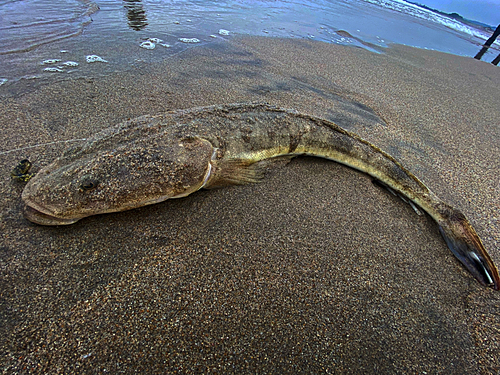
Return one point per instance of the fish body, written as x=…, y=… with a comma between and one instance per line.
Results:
x=154, y=158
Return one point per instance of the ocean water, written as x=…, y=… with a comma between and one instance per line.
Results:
x=42, y=40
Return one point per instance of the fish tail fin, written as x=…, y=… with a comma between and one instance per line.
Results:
x=463, y=241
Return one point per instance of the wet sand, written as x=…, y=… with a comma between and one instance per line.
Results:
x=314, y=270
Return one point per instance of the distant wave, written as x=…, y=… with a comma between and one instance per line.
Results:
x=27, y=24
x=427, y=14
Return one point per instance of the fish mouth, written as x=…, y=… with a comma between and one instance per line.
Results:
x=42, y=218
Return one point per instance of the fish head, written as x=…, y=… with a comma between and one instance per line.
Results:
x=103, y=177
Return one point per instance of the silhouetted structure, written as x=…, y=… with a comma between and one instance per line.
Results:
x=487, y=45
x=136, y=14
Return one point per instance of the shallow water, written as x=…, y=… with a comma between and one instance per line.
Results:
x=33, y=31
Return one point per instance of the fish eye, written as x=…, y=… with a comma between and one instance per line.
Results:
x=88, y=184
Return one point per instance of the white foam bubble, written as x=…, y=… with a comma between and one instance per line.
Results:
x=54, y=70
x=94, y=58
x=189, y=40
x=70, y=63
x=147, y=45
x=3, y=80
x=223, y=32
x=50, y=61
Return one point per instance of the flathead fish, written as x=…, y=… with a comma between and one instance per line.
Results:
x=154, y=158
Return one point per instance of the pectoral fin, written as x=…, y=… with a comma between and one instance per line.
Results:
x=235, y=172
x=241, y=171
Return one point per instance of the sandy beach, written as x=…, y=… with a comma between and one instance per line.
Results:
x=314, y=270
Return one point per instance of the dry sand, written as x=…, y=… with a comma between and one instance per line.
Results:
x=315, y=270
